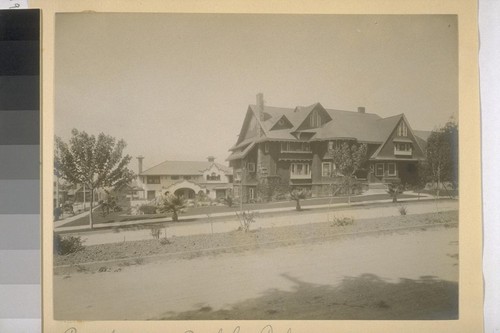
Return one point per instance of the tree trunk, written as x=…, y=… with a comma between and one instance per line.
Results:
x=297, y=205
x=175, y=217
x=91, y=207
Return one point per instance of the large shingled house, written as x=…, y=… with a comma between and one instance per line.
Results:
x=293, y=146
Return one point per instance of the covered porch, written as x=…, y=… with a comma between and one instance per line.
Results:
x=393, y=171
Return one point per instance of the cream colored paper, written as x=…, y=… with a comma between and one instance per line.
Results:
x=470, y=237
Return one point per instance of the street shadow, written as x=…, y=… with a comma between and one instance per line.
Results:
x=365, y=297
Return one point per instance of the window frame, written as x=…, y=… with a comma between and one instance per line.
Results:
x=251, y=167
x=330, y=171
x=376, y=170
x=149, y=180
x=389, y=169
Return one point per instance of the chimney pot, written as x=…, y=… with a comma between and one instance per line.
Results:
x=211, y=159
x=139, y=159
x=260, y=105
x=361, y=109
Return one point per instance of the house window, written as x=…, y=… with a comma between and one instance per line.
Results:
x=237, y=175
x=403, y=149
x=402, y=129
x=391, y=169
x=187, y=177
x=213, y=177
x=315, y=119
x=251, y=193
x=326, y=169
x=379, y=169
x=251, y=167
x=330, y=145
x=175, y=177
x=153, y=179
x=403, y=146
x=300, y=170
x=295, y=147
x=266, y=147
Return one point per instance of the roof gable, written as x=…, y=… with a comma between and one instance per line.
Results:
x=315, y=116
x=282, y=123
x=386, y=150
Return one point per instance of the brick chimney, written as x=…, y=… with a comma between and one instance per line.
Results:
x=260, y=105
x=211, y=159
x=361, y=109
x=139, y=160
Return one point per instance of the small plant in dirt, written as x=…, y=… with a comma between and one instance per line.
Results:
x=155, y=231
x=172, y=204
x=297, y=195
x=342, y=221
x=68, y=244
x=403, y=210
x=246, y=219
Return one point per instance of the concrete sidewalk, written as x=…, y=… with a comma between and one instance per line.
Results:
x=59, y=225
x=210, y=225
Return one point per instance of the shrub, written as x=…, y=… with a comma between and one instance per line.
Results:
x=297, y=195
x=155, y=231
x=67, y=245
x=228, y=201
x=147, y=209
x=172, y=204
x=342, y=221
x=394, y=190
x=246, y=218
x=402, y=210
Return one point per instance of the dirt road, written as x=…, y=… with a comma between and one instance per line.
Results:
x=399, y=275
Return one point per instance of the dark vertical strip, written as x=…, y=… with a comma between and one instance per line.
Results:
x=20, y=164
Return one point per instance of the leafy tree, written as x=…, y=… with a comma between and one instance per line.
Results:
x=348, y=159
x=172, y=204
x=96, y=162
x=298, y=195
x=442, y=155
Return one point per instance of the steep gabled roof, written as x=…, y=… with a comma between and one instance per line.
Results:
x=183, y=168
x=364, y=127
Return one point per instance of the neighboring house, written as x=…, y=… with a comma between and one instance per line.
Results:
x=186, y=179
x=293, y=147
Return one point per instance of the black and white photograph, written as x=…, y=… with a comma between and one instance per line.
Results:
x=256, y=167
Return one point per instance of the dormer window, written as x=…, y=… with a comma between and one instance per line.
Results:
x=315, y=119
x=402, y=129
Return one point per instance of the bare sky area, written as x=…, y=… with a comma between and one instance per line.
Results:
x=177, y=86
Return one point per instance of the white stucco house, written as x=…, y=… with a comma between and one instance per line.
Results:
x=185, y=178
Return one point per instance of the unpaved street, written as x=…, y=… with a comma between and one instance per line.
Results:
x=399, y=275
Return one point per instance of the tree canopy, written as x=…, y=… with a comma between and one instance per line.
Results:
x=348, y=159
x=442, y=155
x=96, y=162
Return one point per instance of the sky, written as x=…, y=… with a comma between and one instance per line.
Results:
x=177, y=86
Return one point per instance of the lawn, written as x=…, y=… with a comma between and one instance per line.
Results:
x=99, y=218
